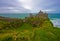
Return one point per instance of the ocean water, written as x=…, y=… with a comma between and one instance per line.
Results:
x=54, y=17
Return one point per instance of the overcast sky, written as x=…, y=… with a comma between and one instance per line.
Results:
x=26, y=6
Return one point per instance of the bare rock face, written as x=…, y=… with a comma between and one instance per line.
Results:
x=39, y=19
x=42, y=15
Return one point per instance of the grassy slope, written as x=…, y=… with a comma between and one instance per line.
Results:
x=27, y=32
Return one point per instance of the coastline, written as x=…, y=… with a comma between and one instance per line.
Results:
x=56, y=22
x=55, y=18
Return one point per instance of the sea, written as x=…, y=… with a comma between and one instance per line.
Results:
x=54, y=17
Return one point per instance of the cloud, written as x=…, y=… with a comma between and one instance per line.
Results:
x=36, y=5
x=48, y=10
x=12, y=6
x=8, y=10
x=12, y=10
x=25, y=6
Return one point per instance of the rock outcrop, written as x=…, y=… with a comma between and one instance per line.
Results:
x=39, y=19
x=42, y=15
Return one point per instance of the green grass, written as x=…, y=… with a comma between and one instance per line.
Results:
x=36, y=34
x=34, y=29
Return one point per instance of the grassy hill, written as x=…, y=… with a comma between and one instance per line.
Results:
x=34, y=28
